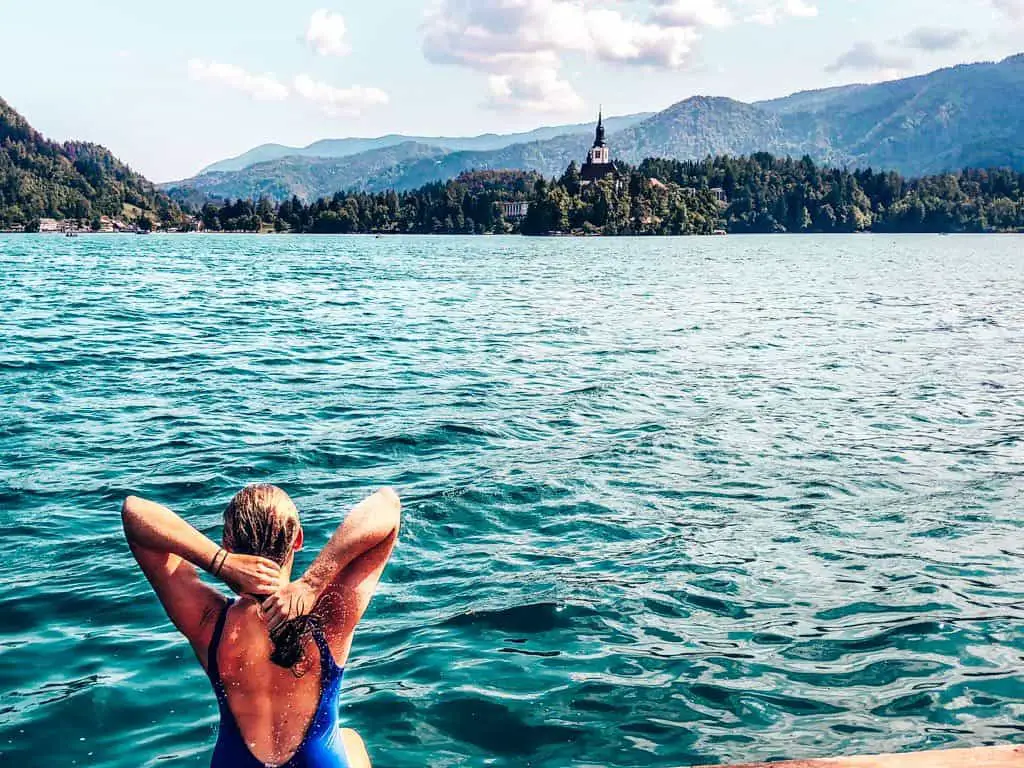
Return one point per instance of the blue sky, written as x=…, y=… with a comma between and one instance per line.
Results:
x=170, y=88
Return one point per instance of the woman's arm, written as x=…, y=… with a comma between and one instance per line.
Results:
x=368, y=532
x=155, y=527
x=167, y=549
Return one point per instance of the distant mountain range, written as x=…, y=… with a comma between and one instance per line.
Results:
x=347, y=147
x=970, y=115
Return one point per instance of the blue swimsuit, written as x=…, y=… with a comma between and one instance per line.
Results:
x=321, y=747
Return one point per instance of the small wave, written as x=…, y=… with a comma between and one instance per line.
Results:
x=496, y=728
x=521, y=619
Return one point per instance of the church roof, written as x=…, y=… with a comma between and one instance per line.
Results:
x=599, y=133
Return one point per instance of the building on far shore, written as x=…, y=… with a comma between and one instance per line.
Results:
x=514, y=210
x=50, y=225
x=106, y=224
x=716, y=192
x=598, y=164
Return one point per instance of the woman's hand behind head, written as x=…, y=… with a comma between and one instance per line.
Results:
x=251, y=575
x=291, y=601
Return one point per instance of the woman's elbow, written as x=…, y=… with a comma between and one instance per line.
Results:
x=392, y=504
x=130, y=514
x=390, y=495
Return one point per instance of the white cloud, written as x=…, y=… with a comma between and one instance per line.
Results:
x=935, y=38
x=800, y=9
x=765, y=16
x=334, y=101
x=1012, y=8
x=502, y=35
x=692, y=13
x=617, y=39
x=326, y=33
x=537, y=91
x=521, y=43
x=867, y=57
x=768, y=14
x=338, y=101
x=262, y=87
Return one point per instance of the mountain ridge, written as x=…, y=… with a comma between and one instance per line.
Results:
x=345, y=147
x=970, y=115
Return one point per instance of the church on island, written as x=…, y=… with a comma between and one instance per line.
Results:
x=598, y=164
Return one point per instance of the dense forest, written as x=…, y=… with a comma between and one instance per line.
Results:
x=466, y=205
x=73, y=180
x=763, y=194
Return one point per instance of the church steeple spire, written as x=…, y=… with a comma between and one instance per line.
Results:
x=599, y=162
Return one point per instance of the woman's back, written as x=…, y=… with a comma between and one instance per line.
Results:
x=275, y=668
x=272, y=715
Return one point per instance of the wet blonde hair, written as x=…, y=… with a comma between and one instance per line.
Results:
x=262, y=520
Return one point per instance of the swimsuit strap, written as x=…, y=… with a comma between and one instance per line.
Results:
x=328, y=667
x=212, y=668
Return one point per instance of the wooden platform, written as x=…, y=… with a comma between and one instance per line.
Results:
x=982, y=757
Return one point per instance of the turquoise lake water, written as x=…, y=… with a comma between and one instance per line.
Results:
x=667, y=501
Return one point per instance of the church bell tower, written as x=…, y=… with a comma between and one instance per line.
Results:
x=598, y=163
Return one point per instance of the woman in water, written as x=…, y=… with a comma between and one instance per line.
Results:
x=276, y=654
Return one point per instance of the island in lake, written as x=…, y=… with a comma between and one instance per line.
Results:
x=75, y=186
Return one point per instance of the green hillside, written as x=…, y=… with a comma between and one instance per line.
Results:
x=76, y=180
x=965, y=116
x=702, y=126
x=308, y=178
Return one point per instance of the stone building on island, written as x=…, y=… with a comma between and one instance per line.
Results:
x=514, y=210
